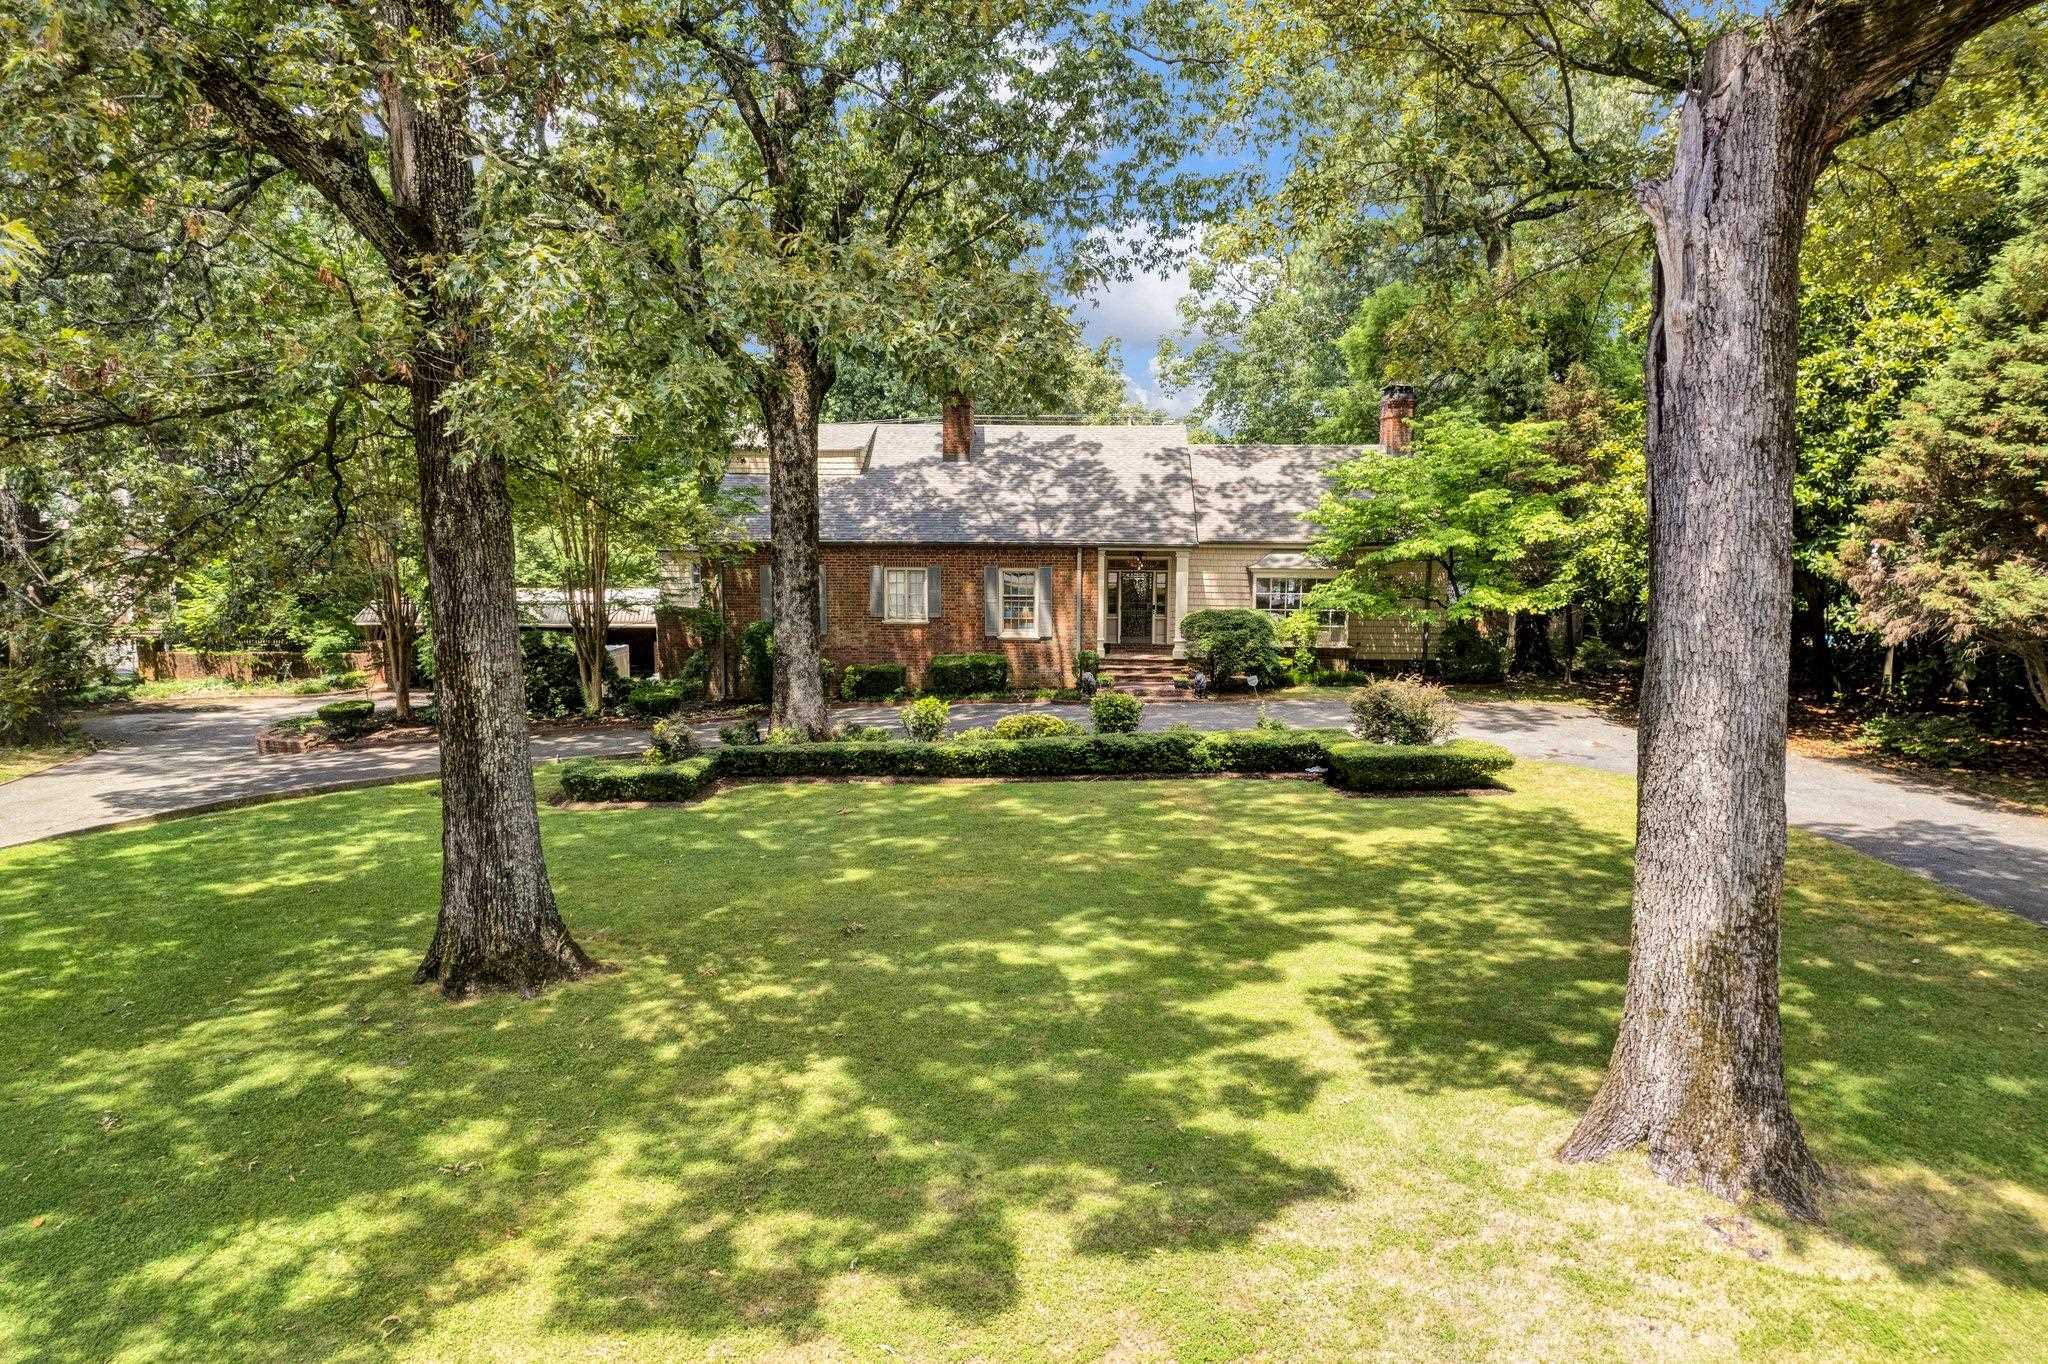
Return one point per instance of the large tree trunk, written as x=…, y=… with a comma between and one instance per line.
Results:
x=1697, y=1071
x=498, y=926
x=789, y=410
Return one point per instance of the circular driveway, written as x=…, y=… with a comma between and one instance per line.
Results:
x=185, y=758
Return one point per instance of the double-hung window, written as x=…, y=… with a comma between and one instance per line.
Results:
x=1282, y=597
x=903, y=595
x=1020, y=603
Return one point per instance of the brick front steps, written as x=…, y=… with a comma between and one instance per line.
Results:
x=1145, y=673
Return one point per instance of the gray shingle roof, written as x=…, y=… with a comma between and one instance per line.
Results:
x=1066, y=485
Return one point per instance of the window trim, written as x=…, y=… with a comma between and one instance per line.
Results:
x=1304, y=584
x=921, y=598
x=1002, y=596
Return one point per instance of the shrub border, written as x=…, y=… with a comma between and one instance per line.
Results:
x=1347, y=763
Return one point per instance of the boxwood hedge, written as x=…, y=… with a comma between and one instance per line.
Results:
x=596, y=779
x=1359, y=766
x=1351, y=764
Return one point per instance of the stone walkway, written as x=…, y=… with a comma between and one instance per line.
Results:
x=180, y=759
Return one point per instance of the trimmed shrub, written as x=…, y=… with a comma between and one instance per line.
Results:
x=595, y=779
x=1465, y=655
x=1267, y=720
x=1946, y=739
x=673, y=742
x=979, y=734
x=783, y=735
x=740, y=733
x=347, y=719
x=872, y=681
x=925, y=719
x=861, y=734
x=1268, y=750
x=1115, y=712
x=1360, y=766
x=1235, y=642
x=1032, y=726
x=653, y=699
x=967, y=674
x=1402, y=710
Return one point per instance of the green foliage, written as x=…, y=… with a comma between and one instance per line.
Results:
x=1597, y=657
x=1402, y=710
x=975, y=734
x=782, y=736
x=925, y=719
x=1464, y=655
x=1087, y=661
x=757, y=652
x=872, y=681
x=554, y=682
x=1032, y=725
x=1234, y=642
x=1115, y=712
x=862, y=734
x=967, y=674
x=1949, y=740
x=740, y=733
x=672, y=742
x=594, y=779
x=1177, y=751
x=1452, y=766
x=347, y=719
x=1952, y=541
x=656, y=698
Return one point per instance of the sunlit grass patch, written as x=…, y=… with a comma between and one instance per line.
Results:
x=1198, y=1070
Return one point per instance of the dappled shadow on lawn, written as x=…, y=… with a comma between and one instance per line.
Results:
x=1915, y=1054
x=890, y=1037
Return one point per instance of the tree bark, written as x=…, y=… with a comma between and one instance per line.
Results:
x=1697, y=1071
x=499, y=927
x=790, y=401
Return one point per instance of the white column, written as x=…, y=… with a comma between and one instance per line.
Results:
x=1180, y=600
x=1101, y=599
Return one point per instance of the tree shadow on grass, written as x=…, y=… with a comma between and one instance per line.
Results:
x=867, y=1037
x=244, y=1132
x=1914, y=1055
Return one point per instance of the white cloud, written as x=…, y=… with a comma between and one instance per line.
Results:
x=1138, y=312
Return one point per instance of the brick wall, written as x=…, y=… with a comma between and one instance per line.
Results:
x=854, y=636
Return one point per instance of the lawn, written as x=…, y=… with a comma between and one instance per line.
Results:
x=19, y=760
x=1196, y=1070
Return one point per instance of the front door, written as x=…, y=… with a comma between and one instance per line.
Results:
x=1134, y=606
x=1140, y=602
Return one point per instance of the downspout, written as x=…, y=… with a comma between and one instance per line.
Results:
x=1079, y=638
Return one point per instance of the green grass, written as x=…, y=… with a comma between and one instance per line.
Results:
x=1202, y=1070
x=19, y=760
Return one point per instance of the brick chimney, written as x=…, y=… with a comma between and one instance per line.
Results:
x=1397, y=410
x=956, y=440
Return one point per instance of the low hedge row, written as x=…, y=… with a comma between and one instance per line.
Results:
x=1359, y=766
x=967, y=674
x=1355, y=765
x=595, y=779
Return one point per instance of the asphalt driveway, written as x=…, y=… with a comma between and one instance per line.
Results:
x=179, y=759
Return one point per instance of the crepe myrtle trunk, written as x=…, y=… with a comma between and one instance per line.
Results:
x=498, y=927
x=790, y=399
x=1697, y=1072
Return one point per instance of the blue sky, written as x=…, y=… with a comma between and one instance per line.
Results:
x=1138, y=312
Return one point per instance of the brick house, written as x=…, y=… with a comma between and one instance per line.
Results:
x=1040, y=541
